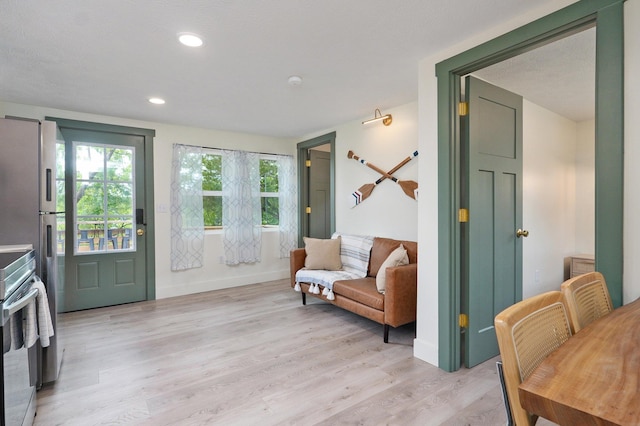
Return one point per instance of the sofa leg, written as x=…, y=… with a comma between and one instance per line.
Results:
x=386, y=333
x=304, y=297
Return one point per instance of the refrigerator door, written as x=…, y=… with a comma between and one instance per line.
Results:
x=51, y=355
x=48, y=166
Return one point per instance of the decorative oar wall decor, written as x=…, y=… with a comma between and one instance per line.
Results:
x=365, y=190
x=409, y=187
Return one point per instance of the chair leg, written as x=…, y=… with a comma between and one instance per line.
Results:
x=386, y=333
x=304, y=297
x=505, y=397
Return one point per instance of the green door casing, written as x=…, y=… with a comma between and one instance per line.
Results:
x=106, y=258
x=492, y=257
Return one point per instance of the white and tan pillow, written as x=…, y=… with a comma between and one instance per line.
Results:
x=322, y=254
x=396, y=258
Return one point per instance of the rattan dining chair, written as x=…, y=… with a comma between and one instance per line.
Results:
x=587, y=299
x=527, y=332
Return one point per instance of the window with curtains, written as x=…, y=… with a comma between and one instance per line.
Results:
x=212, y=190
x=239, y=192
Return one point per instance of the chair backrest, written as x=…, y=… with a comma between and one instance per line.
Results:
x=587, y=299
x=527, y=332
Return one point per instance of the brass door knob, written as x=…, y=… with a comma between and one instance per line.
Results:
x=522, y=233
x=140, y=232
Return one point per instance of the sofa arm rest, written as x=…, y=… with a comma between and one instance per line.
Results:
x=296, y=262
x=401, y=293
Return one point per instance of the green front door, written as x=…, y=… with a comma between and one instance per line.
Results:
x=105, y=232
x=493, y=252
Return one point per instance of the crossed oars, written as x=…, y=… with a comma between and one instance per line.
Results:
x=408, y=186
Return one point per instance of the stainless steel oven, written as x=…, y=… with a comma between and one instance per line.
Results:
x=18, y=365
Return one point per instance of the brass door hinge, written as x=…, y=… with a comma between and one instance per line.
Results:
x=307, y=163
x=308, y=210
x=463, y=108
x=463, y=215
x=463, y=321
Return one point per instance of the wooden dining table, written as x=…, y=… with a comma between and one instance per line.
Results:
x=594, y=377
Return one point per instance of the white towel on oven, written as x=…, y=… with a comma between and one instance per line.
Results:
x=45, y=326
x=30, y=324
x=17, y=336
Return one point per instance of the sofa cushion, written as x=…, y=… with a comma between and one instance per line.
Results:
x=362, y=290
x=382, y=248
x=396, y=258
x=322, y=254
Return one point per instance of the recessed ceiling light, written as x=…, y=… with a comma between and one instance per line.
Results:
x=156, y=101
x=190, y=39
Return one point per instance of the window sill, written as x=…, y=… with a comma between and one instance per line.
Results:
x=215, y=230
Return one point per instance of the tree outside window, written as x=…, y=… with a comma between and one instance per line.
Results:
x=212, y=190
x=269, y=192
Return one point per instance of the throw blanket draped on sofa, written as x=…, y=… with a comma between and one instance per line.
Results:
x=354, y=255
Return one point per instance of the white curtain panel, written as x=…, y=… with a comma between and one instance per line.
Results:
x=288, y=205
x=241, y=210
x=187, y=222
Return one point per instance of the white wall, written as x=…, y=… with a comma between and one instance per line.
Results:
x=388, y=212
x=213, y=275
x=585, y=214
x=549, y=197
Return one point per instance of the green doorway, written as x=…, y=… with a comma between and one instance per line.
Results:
x=607, y=16
x=107, y=243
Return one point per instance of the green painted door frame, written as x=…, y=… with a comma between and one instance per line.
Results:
x=147, y=135
x=607, y=16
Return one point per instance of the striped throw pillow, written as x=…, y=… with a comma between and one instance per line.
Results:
x=355, y=251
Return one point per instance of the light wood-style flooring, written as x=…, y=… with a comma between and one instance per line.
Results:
x=254, y=355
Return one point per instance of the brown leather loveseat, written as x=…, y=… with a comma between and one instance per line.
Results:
x=396, y=307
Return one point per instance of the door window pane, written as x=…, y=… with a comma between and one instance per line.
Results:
x=119, y=164
x=104, y=198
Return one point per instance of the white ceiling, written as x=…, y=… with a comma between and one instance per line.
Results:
x=108, y=57
x=559, y=76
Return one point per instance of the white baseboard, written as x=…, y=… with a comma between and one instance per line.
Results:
x=201, y=286
x=425, y=351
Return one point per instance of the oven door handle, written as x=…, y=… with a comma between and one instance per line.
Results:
x=24, y=276
x=20, y=303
